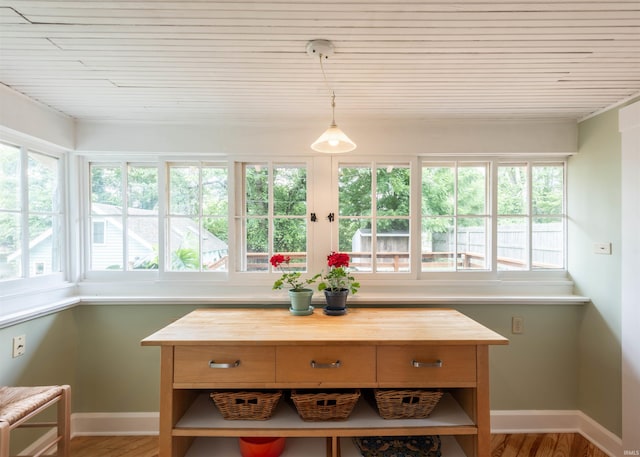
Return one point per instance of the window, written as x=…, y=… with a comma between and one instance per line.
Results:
x=273, y=215
x=98, y=232
x=455, y=219
x=531, y=219
x=31, y=218
x=407, y=219
x=124, y=217
x=459, y=234
x=198, y=228
x=374, y=216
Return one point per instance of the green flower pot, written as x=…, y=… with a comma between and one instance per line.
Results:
x=300, y=301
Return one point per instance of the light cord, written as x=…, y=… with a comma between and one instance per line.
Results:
x=331, y=93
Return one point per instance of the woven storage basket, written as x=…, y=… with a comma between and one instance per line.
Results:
x=244, y=405
x=325, y=406
x=406, y=404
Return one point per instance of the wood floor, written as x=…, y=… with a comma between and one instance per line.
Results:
x=529, y=445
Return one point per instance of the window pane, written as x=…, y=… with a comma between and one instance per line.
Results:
x=392, y=245
x=10, y=226
x=438, y=246
x=472, y=243
x=257, y=190
x=513, y=235
x=44, y=244
x=472, y=190
x=438, y=194
x=184, y=190
x=106, y=189
x=393, y=191
x=43, y=182
x=98, y=234
x=290, y=236
x=10, y=243
x=215, y=194
x=257, y=243
x=512, y=190
x=547, y=242
x=106, y=243
x=215, y=247
x=547, y=189
x=142, y=242
x=354, y=187
x=9, y=177
x=142, y=192
x=290, y=191
x=355, y=239
x=184, y=244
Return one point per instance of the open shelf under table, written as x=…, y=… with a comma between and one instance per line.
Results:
x=204, y=419
x=297, y=447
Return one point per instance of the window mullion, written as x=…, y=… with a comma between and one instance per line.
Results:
x=124, y=167
x=374, y=217
x=24, y=213
x=163, y=218
x=271, y=224
x=493, y=217
x=530, y=217
x=455, y=215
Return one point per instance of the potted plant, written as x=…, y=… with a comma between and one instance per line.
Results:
x=337, y=283
x=299, y=295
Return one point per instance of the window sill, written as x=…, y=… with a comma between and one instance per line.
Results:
x=23, y=307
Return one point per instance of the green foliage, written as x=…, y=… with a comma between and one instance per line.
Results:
x=289, y=209
x=337, y=279
x=294, y=281
x=106, y=185
x=184, y=259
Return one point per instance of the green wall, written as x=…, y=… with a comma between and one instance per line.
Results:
x=97, y=349
x=594, y=206
x=51, y=357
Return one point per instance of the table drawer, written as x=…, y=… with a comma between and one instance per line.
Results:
x=326, y=364
x=428, y=364
x=224, y=364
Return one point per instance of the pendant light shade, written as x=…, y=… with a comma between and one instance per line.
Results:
x=333, y=140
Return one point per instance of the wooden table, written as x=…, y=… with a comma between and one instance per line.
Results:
x=211, y=349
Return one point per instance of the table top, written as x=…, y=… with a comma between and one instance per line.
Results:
x=249, y=326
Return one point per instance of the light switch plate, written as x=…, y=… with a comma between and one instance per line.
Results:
x=19, y=345
x=602, y=248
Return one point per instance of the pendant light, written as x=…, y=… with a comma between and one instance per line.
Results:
x=333, y=140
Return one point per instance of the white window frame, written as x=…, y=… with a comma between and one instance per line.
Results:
x=322, y=194
x=54, y=280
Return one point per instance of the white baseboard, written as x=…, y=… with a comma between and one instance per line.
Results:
x=520, y=421
x=556, y=421
x=114, y=424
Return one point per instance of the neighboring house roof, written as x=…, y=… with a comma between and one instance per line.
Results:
x=144, y=229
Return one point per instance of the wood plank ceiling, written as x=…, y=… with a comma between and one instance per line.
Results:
x=246, y=60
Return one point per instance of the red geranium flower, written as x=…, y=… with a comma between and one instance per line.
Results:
x=278, y=259
x=293, y=278
x=338, y=259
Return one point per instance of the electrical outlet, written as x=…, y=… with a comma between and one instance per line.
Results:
x=19, y=345
x=517, y=325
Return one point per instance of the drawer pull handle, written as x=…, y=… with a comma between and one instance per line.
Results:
x=335, y=364
x=213, y=364
x=436, y=364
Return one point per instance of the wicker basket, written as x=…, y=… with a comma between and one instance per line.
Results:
x=406, y=404
x=243, y=405
x=325, y=406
